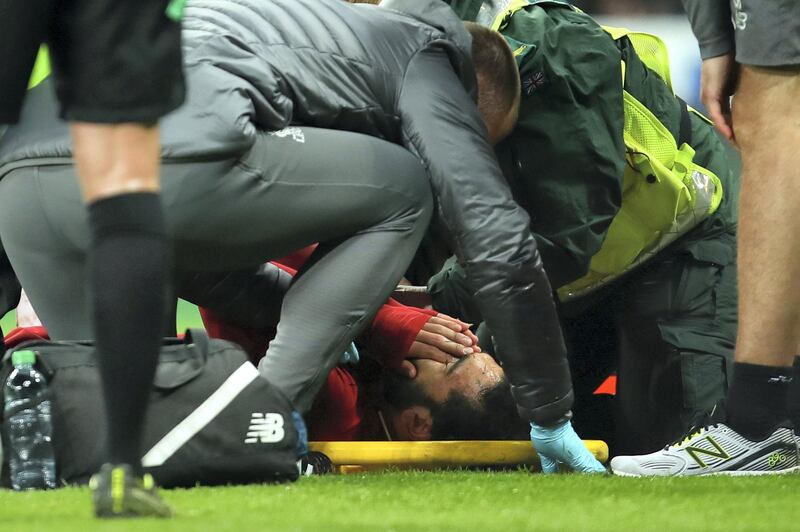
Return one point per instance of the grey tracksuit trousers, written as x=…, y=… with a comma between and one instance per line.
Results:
x=367, y=201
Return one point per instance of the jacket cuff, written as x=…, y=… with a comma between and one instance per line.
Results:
x=548, y=414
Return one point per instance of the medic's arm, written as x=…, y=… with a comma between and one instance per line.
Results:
x=491, y=233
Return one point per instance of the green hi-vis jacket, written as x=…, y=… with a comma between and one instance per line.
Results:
x=611, y=165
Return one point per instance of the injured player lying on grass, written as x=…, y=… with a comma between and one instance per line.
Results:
x=421, y=375
x=467, y=398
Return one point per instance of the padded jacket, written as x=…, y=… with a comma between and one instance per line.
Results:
x=401, y=72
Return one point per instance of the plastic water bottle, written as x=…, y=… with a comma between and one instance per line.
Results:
x=31, y=457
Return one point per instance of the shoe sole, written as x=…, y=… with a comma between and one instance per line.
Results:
x=788, y=471
x=105, y=512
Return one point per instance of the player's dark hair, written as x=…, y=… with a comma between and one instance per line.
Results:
x=496, y=68
x=493, y=416
x=402, y=392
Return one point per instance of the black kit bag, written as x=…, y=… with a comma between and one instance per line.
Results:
x=212, y=419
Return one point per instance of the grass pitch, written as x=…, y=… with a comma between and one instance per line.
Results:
x=506, y=501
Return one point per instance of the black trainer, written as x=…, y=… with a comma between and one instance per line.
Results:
x=117, y=492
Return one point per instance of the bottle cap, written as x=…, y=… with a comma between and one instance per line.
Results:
x=23, y=357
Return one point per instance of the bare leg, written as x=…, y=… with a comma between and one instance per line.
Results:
x=118, y=172
x=766, y=117
x=115, y=159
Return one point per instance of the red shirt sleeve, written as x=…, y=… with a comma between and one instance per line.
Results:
x=335, y=414
x=393, y=330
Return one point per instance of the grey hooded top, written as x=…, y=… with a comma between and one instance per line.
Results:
x=401, y=72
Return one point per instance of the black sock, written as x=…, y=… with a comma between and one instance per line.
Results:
x=128, y=279
x=757, y=399
x=794, y=396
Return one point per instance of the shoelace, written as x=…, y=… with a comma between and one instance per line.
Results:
x=698, y=427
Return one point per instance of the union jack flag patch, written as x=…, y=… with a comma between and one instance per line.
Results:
x=532, y=82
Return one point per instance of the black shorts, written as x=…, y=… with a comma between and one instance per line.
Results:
x=113, y=60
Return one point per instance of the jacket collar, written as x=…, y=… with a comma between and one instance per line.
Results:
x=437, y=14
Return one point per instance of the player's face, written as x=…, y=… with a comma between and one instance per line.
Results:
x=469, y=375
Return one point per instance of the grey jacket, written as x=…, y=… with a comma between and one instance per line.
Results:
x=401, y=72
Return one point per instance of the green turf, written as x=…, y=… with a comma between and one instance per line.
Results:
x=436, y=501
x=8, y=321
x=187, y=317
x=442, y=501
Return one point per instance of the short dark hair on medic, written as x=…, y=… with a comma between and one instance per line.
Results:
x=494, y=60
x=492, y=417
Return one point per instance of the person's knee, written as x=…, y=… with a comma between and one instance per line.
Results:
x=425, y=204
x=414, y=200
x=420, y=192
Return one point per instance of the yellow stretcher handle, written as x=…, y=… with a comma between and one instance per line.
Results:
x=371, y=455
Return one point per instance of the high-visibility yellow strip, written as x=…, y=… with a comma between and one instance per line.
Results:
x=367, y=454
x=41, y=68
x=510, y=9
x=520, y=50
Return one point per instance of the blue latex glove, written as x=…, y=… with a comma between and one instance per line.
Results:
x=560, y=444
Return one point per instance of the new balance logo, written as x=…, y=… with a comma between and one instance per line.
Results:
x=719, y=452
x=265, y=428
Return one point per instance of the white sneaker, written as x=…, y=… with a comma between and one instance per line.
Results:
x=797, y=443
x=715, y=449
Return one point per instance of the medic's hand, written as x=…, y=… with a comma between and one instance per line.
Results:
x=717, y=85
x=442, y=339
x=561, y=445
